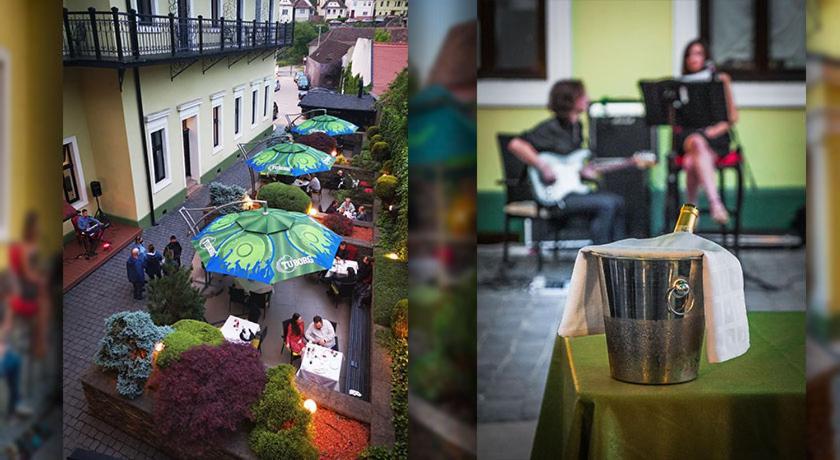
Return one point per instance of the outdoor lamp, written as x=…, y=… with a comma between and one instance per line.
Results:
x=310, y=406
x=392, y=256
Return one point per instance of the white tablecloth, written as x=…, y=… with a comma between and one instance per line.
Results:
x=234, y=326
x=339, y=268
x=321, y=365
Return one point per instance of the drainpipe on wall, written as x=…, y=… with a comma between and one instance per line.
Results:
x=143, y=140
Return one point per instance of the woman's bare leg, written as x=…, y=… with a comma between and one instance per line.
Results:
x=701, y=161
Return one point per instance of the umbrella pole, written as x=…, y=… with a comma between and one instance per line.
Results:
x=250, y=170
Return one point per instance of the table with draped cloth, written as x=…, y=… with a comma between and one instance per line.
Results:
x=752, y=406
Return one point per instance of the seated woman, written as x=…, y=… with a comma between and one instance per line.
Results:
x=294, y=335
x=701, y=146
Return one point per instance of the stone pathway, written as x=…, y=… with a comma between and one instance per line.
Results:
x=86, y=306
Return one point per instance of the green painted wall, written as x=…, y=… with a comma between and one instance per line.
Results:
x=615, y=44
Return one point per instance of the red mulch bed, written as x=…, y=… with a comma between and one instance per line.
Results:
x=337, y=437
x=362, y=233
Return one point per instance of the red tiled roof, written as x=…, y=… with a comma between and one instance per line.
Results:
x=388, y=60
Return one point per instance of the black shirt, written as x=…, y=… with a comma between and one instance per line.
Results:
x=175, y=247
x=555, y=135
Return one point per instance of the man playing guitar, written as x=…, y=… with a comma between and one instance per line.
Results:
x=91, y=229
x=562, y=136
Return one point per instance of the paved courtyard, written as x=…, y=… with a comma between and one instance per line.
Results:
x=517, y=326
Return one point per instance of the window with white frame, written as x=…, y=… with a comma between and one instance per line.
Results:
x=265, y=100
x=254, y=95
x=158, y=145
x=238, y=111
x=73, y=179
x=217, y=117
x=145, y=10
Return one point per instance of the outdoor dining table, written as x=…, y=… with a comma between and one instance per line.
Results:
x=339, y=268
x=234, y=326
x=752, y=406
x=321, y=365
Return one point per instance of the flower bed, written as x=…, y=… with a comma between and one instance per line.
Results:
x=338, y=437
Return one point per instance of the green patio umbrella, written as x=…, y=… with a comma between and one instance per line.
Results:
x=291, y=159
x=332, y=126
x=266, y=245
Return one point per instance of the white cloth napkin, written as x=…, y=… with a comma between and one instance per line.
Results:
x=727, y=332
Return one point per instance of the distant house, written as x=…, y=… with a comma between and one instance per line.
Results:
x=360, y=9
x=389, y=59
x=303, y=11
x=360, y=59
x=333, y=9
x=346, y=35
x=392, y=8
x=323, y=67
x=284, y=10
x=359, y=110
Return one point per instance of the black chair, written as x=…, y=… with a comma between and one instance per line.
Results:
x=261, y=338
x=257, y=302
x=237, y=295
x=335, y=328
x=520, y=202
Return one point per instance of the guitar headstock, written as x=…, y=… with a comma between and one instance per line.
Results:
x=645, y=159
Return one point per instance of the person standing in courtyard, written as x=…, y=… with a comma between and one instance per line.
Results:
x=152, y=262
x=175, y=247
x=134, y=267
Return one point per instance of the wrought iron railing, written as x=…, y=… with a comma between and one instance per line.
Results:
x=122, y=37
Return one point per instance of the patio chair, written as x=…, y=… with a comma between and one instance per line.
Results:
x=257, y=302
x=335, y=328
x=258, y=341
x=237, y=295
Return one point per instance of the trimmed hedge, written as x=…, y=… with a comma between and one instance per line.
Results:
x=372, y=130
x=188, y=334
x=283, y=427
x=380, y=151
x=375, y=138
x=386, y=187
x=282, y=196
x=390, y=285
x=399, y=319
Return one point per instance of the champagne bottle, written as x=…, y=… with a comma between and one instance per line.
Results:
x=688, y=218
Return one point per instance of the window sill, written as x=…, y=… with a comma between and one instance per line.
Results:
x=80, y=204
x=237, y=135
x=754, y=94
x=218, y=149
x=161, y=185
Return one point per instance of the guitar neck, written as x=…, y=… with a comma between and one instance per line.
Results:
x=612, y=165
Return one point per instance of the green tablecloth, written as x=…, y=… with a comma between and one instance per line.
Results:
x=752, y=406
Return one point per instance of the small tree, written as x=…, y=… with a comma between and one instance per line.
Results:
x=173, y=298
x=283, y=196
x=207, y=394
x=382, y=35
x=126, y=348
x=221, y=194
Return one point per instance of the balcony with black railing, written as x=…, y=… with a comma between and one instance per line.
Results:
x=120, y=39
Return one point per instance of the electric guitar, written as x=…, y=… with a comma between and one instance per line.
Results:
x=567, y=169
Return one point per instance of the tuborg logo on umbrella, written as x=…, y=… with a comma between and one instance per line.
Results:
x=287, y=264
x=207, y=244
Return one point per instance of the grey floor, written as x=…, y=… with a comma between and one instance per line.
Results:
x=515, y=319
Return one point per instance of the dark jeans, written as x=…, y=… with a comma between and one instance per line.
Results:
x=138, y=290
x=152, y=274
x=605, y=211
x=10, y=369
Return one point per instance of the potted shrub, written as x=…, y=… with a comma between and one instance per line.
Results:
x=282, y=196
x=386, y=187
x=127, y=347
x=380, y=151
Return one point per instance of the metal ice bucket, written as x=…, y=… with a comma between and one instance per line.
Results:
x=655, y=322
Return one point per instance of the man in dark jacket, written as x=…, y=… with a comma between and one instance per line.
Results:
x=152, y=263
x=134, y=267
x=175, y=247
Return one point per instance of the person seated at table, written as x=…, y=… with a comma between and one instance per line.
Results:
x=151, y=263
x=345, y=251
x=294, y=335
x=366, y=270
x=321, y=333
x=347, y=208
x=332, y=208
x=363, y=214
x=314, y=185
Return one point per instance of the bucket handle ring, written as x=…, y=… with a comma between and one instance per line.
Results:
x=678, y=291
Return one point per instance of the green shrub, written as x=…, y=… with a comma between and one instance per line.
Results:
x=385, y=187
x=380, y=151
x=188, y=333
x=282, y=196
x=126, y=348
x=375, y=138
x=282, y=426
x=372, y=130
x=375, y=453
x=399, y=319
x=390, y=285
x=365, y=161
x=173, y=298
x=221, y=194
x=339, y=223
x=387, y=167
